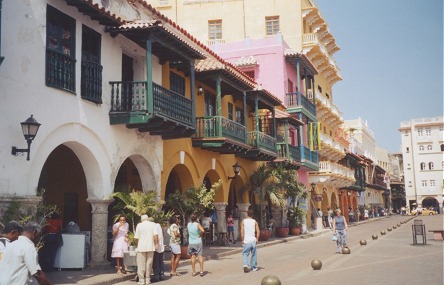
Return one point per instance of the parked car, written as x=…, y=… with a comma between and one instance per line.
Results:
x=424, y=211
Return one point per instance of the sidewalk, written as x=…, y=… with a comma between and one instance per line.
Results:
x=104, y=276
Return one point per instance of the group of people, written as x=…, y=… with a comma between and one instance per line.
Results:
x=19, y=257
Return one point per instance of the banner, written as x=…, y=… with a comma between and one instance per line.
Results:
x=315, y=136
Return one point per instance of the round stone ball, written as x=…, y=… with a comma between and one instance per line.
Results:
x=382, y=232
x=270, y=280
x=374, y=236
x=316, y=264
x=389, y=229
x=346, y=250
x=363, y=242
x=394, y=227
x=399, y=224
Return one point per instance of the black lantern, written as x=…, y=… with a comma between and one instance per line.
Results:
x=30, y=128
x=236, y=170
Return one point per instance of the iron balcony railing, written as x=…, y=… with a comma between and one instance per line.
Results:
x=60, y=70
x=218, y=126
x=260, y=140
x=297, y=99
x=132, y=96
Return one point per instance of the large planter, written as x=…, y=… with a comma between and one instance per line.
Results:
x=184, y=252
x=295, y=231
x=282, y=232
x=264, y=235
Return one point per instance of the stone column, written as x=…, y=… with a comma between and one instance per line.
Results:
x=221, y=217
x=99, y=239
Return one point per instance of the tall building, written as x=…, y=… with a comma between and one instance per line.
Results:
x=423, y=158
x=305, y=30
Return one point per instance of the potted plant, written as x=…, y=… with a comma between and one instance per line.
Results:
x=265, y=185
x=193, y=200
x=294, y=217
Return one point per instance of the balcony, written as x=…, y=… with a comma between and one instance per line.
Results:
x=263, y=147
x=221, y=135
x=160, y=112
x=333, y=174
x=296, y=102
x=327, y=111
x=288, y=152
x=330, y=148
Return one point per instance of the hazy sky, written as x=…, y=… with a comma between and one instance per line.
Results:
x=391, y=62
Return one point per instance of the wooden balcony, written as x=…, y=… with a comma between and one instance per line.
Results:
x=289, y=153
x=221, y=135
x=263, y=147
x=159, y=111
x=309, y=159
x=297, y=102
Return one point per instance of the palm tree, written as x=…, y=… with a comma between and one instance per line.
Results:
x=264, y=183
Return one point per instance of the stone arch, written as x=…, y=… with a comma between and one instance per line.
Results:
x=430, y=202
x=178, y=179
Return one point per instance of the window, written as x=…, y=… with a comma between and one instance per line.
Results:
x=424, y=183
x=60, y=50
x=431, y=166
x=91, y=77
x=441, y=129
x=407, y=150
x=432, y=182
x=423, y=165
x=326, y=95
x=428, y=132
x=250, y=73
x=320, y=89
x=240, y=116
x=215, y=29
x=429, y=147
x=420, y=132
x=177, y=83
x=290, y=86
x=442, y=147
x=210, y=105
x=421, y=147
x=271, y=25
x=230, y=111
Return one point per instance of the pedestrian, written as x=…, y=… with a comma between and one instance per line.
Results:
x=10, y=233
x=249, y=236
x=19, y=264
x=330, y=217
x=174, y=233
x=52, y=231
x=146, y=243
x=195, y=233
x=230, y=229
x=365, y=214
x=158, y=264
x=340, y=229
x=120, y=244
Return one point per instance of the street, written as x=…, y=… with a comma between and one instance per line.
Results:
x=391, y=259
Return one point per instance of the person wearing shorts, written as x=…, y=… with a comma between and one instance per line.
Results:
x=195, y=233
x=174, y=233
x=230, y=228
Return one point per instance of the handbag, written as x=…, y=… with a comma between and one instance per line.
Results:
x=334, y=238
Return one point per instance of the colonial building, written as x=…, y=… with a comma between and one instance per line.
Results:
x=422, y=152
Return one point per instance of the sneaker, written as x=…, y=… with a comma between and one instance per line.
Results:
x=255, y=269
x=246, y=269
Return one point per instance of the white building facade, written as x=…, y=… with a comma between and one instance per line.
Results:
x=423, y=158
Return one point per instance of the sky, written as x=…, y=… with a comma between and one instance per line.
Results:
x=391, y=62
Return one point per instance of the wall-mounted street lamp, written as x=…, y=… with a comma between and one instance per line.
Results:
x=30, y=128
x=317, y=197
x=236, y=170
x=200, y=91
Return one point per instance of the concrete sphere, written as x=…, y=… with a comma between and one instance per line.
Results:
x=346, y=250
x=399, y=224
x=316, y=264
x=389, y=229
x=374, y=236
x=270, y=280
x=363, y=242
x=382, y=232
x=394, y=227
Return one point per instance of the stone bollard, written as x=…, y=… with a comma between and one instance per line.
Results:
x=382, y=233
x=270, y=280
x=374, y=237
x=316, y=264
x=363, y=242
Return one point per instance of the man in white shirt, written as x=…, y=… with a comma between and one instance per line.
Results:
x=158, y=265
x=249, y=236
x=146, y=243
x=9, y=234
x=20, y=260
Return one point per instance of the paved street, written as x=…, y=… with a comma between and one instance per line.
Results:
x=391, y=259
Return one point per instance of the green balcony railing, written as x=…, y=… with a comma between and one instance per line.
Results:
x=260, y=140
x=297, y=99
x=131, y=96
x=311, y=156
x=91, y=81
x=217, y=126
x=293, y=153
